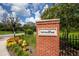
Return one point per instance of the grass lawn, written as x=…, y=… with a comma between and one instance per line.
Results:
x=75, y=33
x=71, y=33
x=8, y=32
x=5, y=32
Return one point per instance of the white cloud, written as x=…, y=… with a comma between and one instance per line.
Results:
x=13, y=14
x=16, y=9
x=20, y=4
x=32, y=19
x=0, y=21
x=45, y=7
x=21, y=9
x=1, y=18
x=36, y=6
x=21, y=22
x=27, y=12
x=2, y=11
x=37, y=15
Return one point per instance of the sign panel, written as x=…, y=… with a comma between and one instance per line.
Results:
x=47, y=32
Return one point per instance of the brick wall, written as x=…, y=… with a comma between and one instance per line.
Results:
x=47, y=45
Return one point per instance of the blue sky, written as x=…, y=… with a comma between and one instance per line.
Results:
x=25, y=11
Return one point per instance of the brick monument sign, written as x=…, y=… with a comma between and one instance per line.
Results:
x=47, y=37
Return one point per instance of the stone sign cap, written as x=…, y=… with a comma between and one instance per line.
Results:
x=48, y=20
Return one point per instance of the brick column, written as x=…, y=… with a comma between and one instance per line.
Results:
x=47, y=45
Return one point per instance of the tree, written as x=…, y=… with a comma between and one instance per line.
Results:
x=13, y=24
x=10, y=23
x=29, y=31
x=30, y=25
x=1, y=26
x=68, y=14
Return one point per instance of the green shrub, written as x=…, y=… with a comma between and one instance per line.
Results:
x=29, y=31
x=16, y=48
x=25, y=53
x=30, y=39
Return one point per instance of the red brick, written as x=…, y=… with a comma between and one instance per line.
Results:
x=47, y=45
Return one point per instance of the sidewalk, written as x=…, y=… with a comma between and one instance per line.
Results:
x=3, y=49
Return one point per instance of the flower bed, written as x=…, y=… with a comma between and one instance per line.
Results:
x=18, y=47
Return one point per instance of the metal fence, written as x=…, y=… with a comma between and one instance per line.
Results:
x=69, y=46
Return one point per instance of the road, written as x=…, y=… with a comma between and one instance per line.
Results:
x=3, y=48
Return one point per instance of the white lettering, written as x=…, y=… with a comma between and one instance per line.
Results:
x=47, y=32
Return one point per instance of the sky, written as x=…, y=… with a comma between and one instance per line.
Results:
x=25, y=11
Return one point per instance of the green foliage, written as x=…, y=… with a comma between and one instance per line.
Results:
x=29, y=31
x=8, y=24
x=17, y=50
x=24, y=54
x=67, y=13
x=1, y=26
x=29, y=25
x=30, y=39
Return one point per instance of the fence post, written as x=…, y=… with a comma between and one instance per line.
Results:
x=76, y=43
